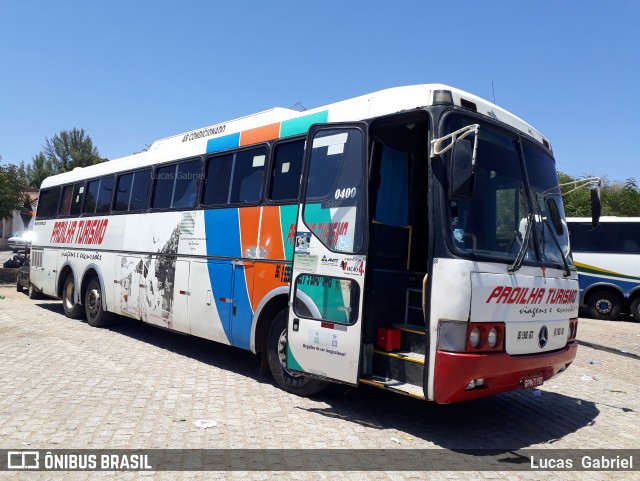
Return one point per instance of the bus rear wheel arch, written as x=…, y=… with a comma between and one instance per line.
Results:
x=72, y=309
x=604, y=304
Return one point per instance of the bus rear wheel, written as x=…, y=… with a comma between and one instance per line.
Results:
x=604, y=305
x=635, y=308
x=96, y=315
x=277, y=357
x=71, y=308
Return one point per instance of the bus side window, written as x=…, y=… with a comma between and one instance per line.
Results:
x=287, y=167
x=48, y=203
x=186, y=187
x=140, y=191
x=235, y=178
x=217, y=180
x=248, y=176
x=72, y=197
x=123, y=193
x=103, y=205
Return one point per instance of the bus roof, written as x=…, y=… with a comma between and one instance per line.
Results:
x=280, y=122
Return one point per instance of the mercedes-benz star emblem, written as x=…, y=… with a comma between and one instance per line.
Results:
x=543, y=336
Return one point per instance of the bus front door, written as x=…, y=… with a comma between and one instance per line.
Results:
x=325, y=309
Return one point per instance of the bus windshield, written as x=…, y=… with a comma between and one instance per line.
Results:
x=494, y=222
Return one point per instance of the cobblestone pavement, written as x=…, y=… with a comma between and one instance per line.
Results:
x=64, y=384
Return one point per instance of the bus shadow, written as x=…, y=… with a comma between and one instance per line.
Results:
x=504, y=422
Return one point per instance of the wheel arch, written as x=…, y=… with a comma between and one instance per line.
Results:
x=269, y=306
x=65, y=270
x=603, y=286
x=91, y=271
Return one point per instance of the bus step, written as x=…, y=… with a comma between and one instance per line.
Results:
x=403, y=366
x=394, y=385
x=412, y=338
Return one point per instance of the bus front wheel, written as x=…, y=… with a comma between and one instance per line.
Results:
x=71, y=309
x=604, y=305
x=277, y=357
x=635, y=308
x=96, y=315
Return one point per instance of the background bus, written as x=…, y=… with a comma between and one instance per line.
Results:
x=608, y=262
x=375, y=240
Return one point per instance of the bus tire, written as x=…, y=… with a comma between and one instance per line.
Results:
x=32, y=293
x=635, y=308
x=18, y=286
x=96, y=315
x=604, y=305
x=71, y=309
x=276, y=355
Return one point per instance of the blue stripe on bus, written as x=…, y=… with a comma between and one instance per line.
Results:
x=587, y=281
x=222, y=229
x=223, y=143
x=241, y=322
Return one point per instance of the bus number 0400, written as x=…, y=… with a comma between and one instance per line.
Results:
x=348, y=193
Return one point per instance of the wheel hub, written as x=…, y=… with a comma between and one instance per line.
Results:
x=604, y=306
x=93, y=302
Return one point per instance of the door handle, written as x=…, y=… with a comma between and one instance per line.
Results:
x=208, y=297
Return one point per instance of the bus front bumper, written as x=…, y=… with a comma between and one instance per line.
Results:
x=500, y=372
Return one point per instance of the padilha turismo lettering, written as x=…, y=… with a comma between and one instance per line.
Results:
x=531, y=295
x=90, y=231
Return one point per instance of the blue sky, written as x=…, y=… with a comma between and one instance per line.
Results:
x=130, y=72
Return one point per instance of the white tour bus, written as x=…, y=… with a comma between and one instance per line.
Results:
x=608, y=262
x=405, y=239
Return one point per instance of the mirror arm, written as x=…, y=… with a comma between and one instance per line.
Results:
x=437, y=147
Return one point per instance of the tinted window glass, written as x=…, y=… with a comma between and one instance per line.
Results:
x=104, y=195
x=186, y=186
x=72, y=196
x=218, y=180
x=140, y=193
x=629, y=236
x=93, y=189
x=163, y=191
x=287, y=166
x=123, y=193
x=48, y=202
x=248, y=175
x=585, y=239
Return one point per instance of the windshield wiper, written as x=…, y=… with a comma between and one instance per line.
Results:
x=566, y=270
x=523, y=248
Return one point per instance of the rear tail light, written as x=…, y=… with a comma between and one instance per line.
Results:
x=485, y=337
x=573, y=330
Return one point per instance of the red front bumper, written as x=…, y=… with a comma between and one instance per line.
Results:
x=501, y=372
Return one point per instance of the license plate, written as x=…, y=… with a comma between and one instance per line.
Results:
x=533, y=381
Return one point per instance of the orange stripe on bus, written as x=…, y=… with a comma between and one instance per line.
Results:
x=271, y=233
x=261, y=134
x=249, y=221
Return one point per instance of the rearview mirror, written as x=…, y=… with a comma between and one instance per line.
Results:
x=461, y=173
x=596, y=208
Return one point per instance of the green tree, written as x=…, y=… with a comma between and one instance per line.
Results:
x=12, y=190
x=64, y=152
x=617, y=198
x=39, y=169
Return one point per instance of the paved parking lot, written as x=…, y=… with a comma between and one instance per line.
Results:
x=64, y=384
